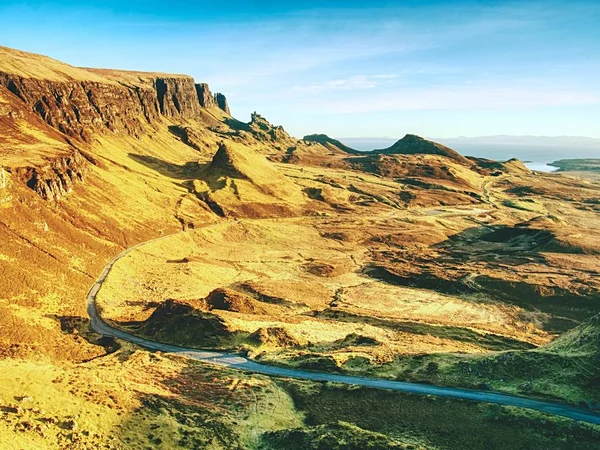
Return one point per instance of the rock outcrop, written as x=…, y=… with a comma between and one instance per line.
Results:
x=56, y=179
x=3, y=179
x=221, y=102
x=4, y=195
x=263, y=130
x=177, y=97
x=205, y=97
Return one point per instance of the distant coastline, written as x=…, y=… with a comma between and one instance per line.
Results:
x=577, y=165
x=535, y=150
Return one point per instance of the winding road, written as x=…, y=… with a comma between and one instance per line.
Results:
x=235, y=361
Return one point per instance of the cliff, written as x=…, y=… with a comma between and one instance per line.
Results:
x=79, y=102
x=221, y=101
x=206, y=98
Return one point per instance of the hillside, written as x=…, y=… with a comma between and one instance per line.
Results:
x=296, y=252
x=584, y=339
x=329, y=142
x=414, y=145
x=241, y=183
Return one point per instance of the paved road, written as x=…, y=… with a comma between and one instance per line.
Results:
x=238, y=362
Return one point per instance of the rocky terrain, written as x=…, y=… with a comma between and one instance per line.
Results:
x=412, y=262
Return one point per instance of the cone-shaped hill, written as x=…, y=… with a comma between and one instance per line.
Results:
x=413, y=145
x=240, y=182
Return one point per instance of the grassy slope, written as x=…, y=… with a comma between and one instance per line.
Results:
x=438, y=423
x=50, y=254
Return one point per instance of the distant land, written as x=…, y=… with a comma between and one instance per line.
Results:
x=564, y=165
x=502, y=147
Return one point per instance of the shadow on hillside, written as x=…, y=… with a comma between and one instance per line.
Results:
x=198, y=407
x=80, y=326
x=190, y=169
x=177, y=131
x=509, y=245
x=236, y=125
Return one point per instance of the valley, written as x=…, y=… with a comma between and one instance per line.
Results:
x=412, y=263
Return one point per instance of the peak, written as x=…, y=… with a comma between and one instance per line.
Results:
x=236, y=161
x=257, y=118
x=245, y=183
x=413, y=137
x=411, y=144
x=224, y=157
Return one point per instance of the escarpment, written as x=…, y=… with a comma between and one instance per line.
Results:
x=206, y=98
x=177, y=97
x=80, y=108
x=80, y=102
x=49, y=109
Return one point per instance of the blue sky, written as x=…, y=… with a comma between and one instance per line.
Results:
x=348, y=69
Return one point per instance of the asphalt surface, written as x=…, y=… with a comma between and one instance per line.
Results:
x=238, y=362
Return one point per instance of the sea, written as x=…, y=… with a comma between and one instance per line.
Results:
x=541, y=166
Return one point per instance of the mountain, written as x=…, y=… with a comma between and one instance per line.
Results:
x=414, y=145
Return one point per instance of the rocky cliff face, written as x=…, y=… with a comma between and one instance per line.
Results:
x=80, y=108
x=263, y=130
x=44, y=101
x=206, y=98
x=221, y=102
x=177, y=97
x=55, y=179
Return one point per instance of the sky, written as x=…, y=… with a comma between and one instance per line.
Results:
x=352, y=68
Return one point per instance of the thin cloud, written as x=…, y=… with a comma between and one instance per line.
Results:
x=357, y=82
x=455, y=98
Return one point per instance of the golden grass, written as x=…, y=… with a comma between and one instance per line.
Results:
x=32, y=65
x=278, y=258
x=310, y=267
